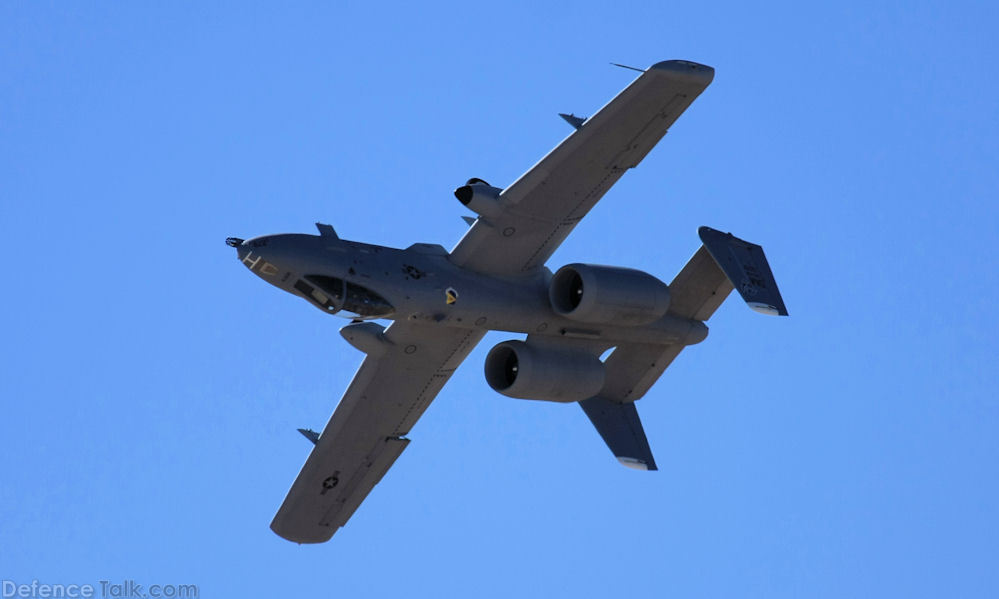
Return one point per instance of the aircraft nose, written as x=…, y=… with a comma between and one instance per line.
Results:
x=237, y=242
x=260, y=254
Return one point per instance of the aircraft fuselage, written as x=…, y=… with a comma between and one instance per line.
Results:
x=363, y=282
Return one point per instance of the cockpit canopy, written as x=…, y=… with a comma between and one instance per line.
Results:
x=343, y=298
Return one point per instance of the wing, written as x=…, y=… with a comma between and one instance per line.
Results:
x=365, y=435
x=542, y=207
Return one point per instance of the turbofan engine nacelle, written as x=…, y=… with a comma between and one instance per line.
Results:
x=608, y=295
x=480, y=197
x=519, y=370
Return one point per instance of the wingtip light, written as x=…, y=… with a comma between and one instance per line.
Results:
x=633, y=463
x=764, y=308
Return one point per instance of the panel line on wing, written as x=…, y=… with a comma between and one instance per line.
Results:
x=597, y=190
x=571, y=221
x=440, y=375
x=418, y=405
x=569, y=180
x=529, y=265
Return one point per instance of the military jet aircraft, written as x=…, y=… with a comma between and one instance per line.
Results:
x=442, y=303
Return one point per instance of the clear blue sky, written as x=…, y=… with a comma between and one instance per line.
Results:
x=151, y=387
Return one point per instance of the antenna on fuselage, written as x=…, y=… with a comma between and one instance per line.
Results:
x=326, y=230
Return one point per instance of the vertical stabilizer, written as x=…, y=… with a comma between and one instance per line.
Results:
x=746, y=266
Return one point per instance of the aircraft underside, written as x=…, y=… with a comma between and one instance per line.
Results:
x=599, y=336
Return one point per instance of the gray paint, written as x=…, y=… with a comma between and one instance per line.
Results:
x=442, y=303
x=620, y=427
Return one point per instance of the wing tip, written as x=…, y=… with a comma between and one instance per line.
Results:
x=316, y=535
x=767, y=309
x=686, y=69
x=635, y=463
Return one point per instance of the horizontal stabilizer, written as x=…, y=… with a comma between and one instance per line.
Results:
x=746, y=267
x=621, y=429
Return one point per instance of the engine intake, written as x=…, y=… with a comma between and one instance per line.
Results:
x=608, y=295
x=519, y=370
x=480, y=197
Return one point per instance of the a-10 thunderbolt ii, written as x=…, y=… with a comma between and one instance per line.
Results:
x=442, y=303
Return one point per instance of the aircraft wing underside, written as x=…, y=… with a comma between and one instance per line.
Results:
x=408, y=363
x=543, y=206
x=367, y=431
